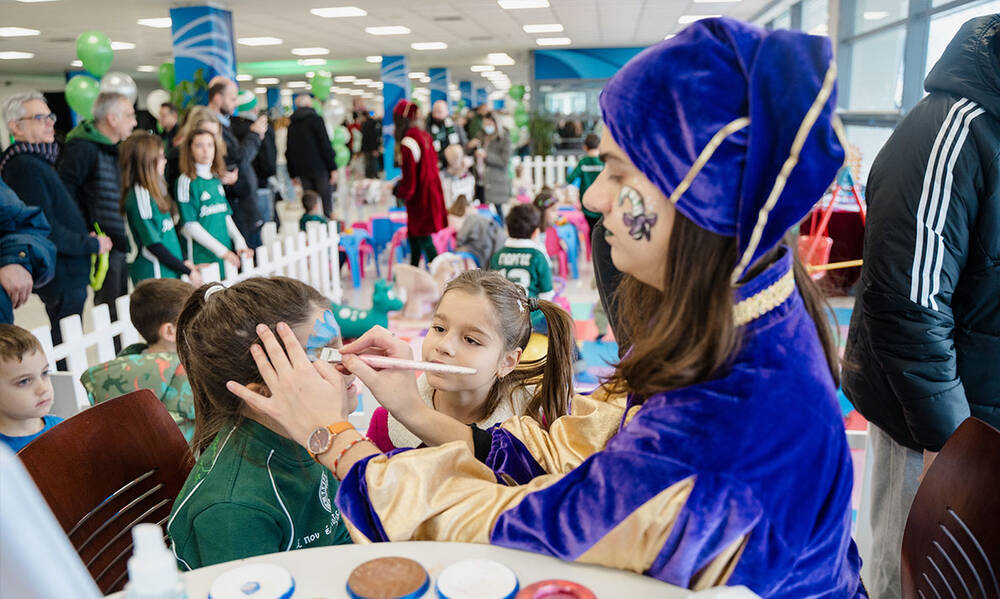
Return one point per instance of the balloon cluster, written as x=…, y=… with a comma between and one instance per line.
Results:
x=333, y=114
x=93, y=48
x=521, y=117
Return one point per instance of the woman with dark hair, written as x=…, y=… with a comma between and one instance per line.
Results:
x=420, y=187
x=727, y=463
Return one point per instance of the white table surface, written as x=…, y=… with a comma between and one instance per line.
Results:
x=321, y=572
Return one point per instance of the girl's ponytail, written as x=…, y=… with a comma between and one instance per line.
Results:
x=556, y=387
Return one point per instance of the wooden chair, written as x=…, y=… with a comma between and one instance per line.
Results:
x=951, y=543
x=110, y=467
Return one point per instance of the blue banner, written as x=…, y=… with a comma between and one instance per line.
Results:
x=465, y=88
x=481, y=96
x=589, y=63
x=440, y=78
x=203, y=39
x=395, y=87
x=273, y=98
x=497, y=104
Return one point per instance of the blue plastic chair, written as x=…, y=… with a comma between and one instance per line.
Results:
x=571, y=239
x=382, y=230
x=488, y=211
x=351, y=244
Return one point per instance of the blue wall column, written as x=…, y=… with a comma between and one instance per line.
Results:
x=440, y=79
x=395, y=87
x=203, y=39
x=482, y=97
x=465, y=88
x=273, y=98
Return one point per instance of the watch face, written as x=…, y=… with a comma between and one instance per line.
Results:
x=319, y=440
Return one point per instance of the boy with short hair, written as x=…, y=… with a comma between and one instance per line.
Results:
x=154, y=307
x=521, y=259
x=313, y=205
x=25, y=389
x=587, y=170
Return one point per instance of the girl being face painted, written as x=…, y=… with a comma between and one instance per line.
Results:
x=637, y=216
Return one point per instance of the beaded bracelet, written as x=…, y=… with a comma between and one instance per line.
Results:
x=336, y=463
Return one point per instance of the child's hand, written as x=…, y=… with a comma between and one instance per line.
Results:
x=303, y=395
x=231, y=259
x=231, y=177
x=396, y=390
x=194, y=277
x=245, y=253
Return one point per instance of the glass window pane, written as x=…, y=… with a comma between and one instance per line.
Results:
x=870, y=14
x=814, y=17
x=868, y=141
x=876, y=82
x=783, y=21
x=945, y=25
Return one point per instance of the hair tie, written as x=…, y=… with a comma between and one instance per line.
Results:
x=532, y=304
x=213, y=289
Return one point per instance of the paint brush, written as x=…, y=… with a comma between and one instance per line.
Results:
x=330, y=354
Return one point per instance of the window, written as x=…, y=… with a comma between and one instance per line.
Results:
x=945, y=25
x=871, y=14
x=814, y=17
x=876, y=77
x=782, y=21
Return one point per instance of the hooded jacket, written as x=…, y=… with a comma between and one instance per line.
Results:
x=308, y=151
x=24, y=237
x=924, y=342
x=88, y=167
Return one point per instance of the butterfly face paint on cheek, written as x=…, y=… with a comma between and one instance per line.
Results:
x=324, y=333
x=639, y=222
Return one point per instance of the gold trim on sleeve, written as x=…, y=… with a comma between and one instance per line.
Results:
x=764, y=301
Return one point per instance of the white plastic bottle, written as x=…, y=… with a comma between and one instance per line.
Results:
x=152, y=569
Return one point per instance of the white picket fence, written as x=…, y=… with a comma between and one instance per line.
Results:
x=311, y=257
x=546, y=170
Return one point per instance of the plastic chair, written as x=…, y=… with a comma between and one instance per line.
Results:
x=951, y=543
x=569, y=236
x=488, y=211
x=555, y=250
x=120, y=463
x=578, y=220
x=382, y=229
x=363, y=225
x=444, y=240
x=356, y=245
x=398, y=242
x=421, y=290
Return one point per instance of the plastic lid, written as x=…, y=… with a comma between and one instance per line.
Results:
x=253, y=581
x=477, y=579
x=152, y=569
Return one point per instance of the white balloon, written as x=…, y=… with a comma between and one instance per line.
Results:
x=334, y=112
x=119, y=83
x=155, y=99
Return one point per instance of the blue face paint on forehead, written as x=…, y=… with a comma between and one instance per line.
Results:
x=325, y=332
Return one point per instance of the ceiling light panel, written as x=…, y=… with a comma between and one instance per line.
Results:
x=388, y=30
x=156, y=23
x=543, y=28
x=260, y=41
x=337, y=12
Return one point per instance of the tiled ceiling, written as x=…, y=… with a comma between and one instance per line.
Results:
x=471, y=28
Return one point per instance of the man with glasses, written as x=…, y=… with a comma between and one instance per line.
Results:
x=27, y=167
x=89, y=170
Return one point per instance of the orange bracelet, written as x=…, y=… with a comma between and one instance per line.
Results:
x=336, y=463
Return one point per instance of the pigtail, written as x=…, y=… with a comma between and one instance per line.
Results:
x=554, y=390
x=203, y=409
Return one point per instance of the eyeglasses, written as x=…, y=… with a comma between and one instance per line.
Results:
x=40, y=117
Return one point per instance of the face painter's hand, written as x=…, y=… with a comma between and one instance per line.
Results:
x=396, y=390
x=303, y=396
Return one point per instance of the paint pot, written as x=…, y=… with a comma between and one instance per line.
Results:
x=555, y=589
x=388, y=578
x=478, y=579
x=253, y=581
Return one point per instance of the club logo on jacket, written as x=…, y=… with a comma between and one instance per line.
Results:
x=324, y=493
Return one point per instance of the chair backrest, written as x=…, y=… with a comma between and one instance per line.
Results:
x=110, y=467
x=951, y=543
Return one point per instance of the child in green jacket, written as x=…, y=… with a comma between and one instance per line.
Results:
x=153, y=308
x=252, y=491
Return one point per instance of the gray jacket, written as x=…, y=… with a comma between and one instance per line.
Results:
x=481, y=236
x=497, y=176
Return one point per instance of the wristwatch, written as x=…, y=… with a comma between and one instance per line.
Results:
x=321, y=439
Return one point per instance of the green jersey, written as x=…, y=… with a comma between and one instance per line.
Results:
x=253, y=492
x=148, y=225
x=311, y=218
x=204, y=201
x=587, y=171
x=523, y=262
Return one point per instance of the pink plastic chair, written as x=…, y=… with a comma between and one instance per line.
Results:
x=578, y=220
x=363, y=225
x=556, y=250
x=398, y=239
x=444, y=240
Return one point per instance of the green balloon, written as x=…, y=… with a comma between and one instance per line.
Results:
x=461, y=104
x=321, y=86
x=93, y=48
x=515, y=135
x=81, y=91
x=166, y=76
x=340, y=136
x=517, y=91
x=342, y=155
x=520, y=115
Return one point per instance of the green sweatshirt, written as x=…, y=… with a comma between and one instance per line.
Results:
x=587, y=171
x=88, y=130
x=253, y=492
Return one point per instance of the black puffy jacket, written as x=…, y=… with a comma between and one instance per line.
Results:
x=88, y=166
x=308, y=150
x=923, y=351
